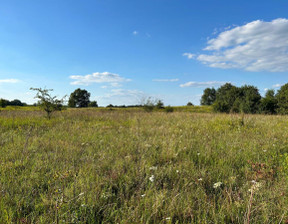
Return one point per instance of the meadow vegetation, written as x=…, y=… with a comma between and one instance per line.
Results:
x=101, y=165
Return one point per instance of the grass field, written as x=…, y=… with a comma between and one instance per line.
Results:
x=129, y=166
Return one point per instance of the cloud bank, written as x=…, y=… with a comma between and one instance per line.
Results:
x=97, y=77
x=122, y=96
x=165, y=80
x=256, y=46
x=9, y=81
x=202, y=84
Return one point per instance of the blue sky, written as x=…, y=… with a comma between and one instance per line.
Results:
x=124, y=51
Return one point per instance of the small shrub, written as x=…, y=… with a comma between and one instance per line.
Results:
x=93, y=104
x=169, y=109
x=47, y=102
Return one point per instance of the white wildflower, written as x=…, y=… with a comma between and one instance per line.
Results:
x=216, y=185
x=168, y=218
x=153, y=168
x=152, y=178
x=177, y=171
x=198, y=153
x=255, y=186
x=143, y=195
x=200, y=179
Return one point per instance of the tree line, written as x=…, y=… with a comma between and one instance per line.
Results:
x=227, y=98
x=16, y=102
x=246, y=99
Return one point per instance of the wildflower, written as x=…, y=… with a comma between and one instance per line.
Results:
x=168, y=218
x=255, y=186
x=198, y=153
x=216, y=185
x=177, y=171
x=200, y=179
x=152, y=178
x=153, y=168
x=143, y=195
x=264, y=150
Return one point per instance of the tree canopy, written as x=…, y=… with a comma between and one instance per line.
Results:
x=269, y=103
x=230, y=98
x=282, y=99
x=208, y=97
x=79, y=98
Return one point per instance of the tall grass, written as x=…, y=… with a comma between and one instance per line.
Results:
x=128, y=166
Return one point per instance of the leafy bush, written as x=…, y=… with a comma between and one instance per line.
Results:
x=169, y=109
x=149, y=104
x=93, y=104
x=47, y=102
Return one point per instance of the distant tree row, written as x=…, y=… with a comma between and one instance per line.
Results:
x=246, y=99
x=4, y=103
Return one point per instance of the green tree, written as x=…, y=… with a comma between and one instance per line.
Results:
x=225, y=98
x=93, y=104
x=159, y=104
x=250, y=99
x=47, y=102
x=268, y=103
x=190, y=104
x=282, y=99
x=16, y=103
x=3, y=103
x=208, y=97
x=245, y=99
x=79, y=98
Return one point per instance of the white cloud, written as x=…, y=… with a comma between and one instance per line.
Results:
x=9, y=81
x=135, y=32
x=277, y=85
x=256, y=46
x=115, y=84
x=189, y=55
x=122, y=96
x=97, y=77
x=125, y=92
x=165, y=80
x=202, y=84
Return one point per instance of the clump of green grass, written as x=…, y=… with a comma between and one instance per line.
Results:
x=128, y=166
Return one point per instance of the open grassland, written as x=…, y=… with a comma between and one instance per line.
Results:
x=128, y=166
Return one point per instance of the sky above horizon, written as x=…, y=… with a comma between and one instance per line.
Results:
x=125, y=51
